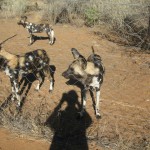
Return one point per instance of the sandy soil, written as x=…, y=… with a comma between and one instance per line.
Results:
x=125, y=96
x=15, y=142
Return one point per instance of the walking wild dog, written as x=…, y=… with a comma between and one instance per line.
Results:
x=90, y=73
x=37, y=28
x=36, y=62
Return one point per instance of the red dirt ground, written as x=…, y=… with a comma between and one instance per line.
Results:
x=125, y=96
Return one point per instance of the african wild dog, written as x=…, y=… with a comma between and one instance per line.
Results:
x=37, y=28
x=36, y=62
x=90, y=73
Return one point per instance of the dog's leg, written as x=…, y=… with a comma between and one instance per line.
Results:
x=50, y=34
x=51, y=85
x=40, y=77
x=51, y=79
x=51, y=82
x=98, y=115
x=83, y=102
x=47, y=74
x=13, y=90
x=31, y=38
x=93, y=99
x=16, y=86
x=13, y=75
x=16, y=89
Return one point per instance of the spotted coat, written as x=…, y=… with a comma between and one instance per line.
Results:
x=90, y=73
x=36, y=62
x=37, y=28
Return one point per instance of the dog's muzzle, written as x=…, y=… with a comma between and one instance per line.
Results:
x=19, y=23
x=65, y=75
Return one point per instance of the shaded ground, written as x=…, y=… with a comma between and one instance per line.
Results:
x=125, y=96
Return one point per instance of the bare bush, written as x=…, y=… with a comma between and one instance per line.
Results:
x=12, y=8
x=65, y=11
x=127, y=19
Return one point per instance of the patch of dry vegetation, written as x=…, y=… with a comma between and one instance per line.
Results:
x=12, y=8
x=126, y=22
x=111, y=132
x=128, y=19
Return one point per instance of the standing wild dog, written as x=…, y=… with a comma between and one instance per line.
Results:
x=90, y=73
x=37, y=28
x=36, y=62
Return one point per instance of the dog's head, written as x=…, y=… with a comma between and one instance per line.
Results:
x=22, y=20
x=2, y=63
x=77, y=67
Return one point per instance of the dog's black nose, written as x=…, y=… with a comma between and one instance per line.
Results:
x=63, y=74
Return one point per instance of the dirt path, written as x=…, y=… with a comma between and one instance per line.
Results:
x=13, y=141
x=125, y=93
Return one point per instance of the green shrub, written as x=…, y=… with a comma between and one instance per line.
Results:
x=91, y=16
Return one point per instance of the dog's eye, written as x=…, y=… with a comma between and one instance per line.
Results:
x=71, y=69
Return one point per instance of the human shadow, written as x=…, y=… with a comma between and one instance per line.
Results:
x=25, y=85
x=81, y=87
x=69, y=130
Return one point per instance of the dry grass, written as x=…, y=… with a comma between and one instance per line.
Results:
x=110, y=133
x=127, y=19
x=65, y=11
x=93, y=12
x=96, y=11
x=13, y=8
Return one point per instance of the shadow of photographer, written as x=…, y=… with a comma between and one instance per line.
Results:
x=69, y=130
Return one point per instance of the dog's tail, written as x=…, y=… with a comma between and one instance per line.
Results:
x=6, y=40
x=93, y=50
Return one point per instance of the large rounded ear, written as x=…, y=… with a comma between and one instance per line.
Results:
x=24, y=18
x=75, y=53
x=1, y=48
x=79, y=57
x=82, y=61
x=3, y=61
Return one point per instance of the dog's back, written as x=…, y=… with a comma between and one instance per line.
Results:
x=34, y=61
x=97, y=61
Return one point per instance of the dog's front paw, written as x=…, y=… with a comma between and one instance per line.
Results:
x=29, y=44
x=50, y=91
x=51, y=43
x=98, y=116
x=37, y=89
